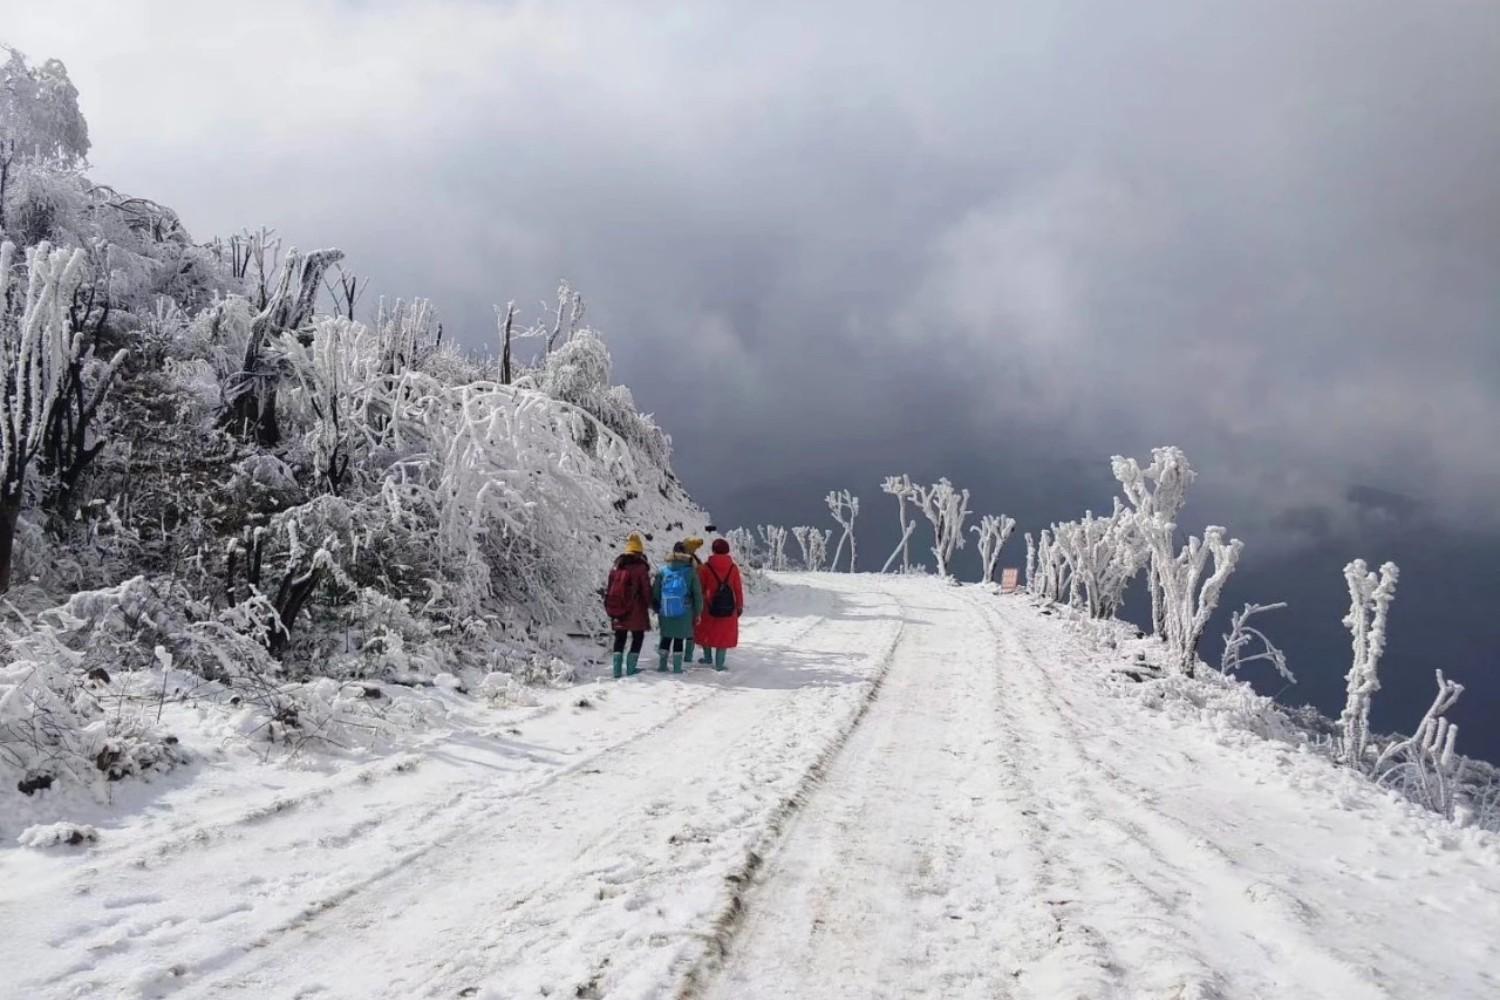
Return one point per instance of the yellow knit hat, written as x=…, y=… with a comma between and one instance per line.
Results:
x=692, y=545
x=634, y=546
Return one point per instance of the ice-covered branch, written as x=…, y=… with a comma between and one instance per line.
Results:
x=1241, y=634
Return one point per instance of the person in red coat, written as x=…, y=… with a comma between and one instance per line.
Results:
x=630, y=587
x=719, y=628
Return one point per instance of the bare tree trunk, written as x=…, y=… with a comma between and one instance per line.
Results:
x=510, y=318
x=4, y=183
x=10, y=512
x=291, y=596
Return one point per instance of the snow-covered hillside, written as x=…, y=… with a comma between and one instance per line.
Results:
x=901, y=788
x=242, y=493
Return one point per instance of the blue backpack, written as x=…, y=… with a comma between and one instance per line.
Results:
x=674, y=591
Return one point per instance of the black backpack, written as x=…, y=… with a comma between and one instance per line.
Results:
x=721, y=605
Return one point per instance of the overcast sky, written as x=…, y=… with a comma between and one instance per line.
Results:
x=826, y=242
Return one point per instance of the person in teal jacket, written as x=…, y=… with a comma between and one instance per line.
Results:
x=677, y=599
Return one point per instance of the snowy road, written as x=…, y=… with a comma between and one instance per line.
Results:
x=902, y=789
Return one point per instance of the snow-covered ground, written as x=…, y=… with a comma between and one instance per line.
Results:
x=900, y=789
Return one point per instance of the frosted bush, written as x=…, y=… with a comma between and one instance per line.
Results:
x=745, y=547
x=1157, y=491
x=63, y=722
x=1424, y=767
x=814, y=545
x=1102, y=556
x=773, y=538
x=57, y=835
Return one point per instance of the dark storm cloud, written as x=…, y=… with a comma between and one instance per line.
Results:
x=1265, y=232
x=831, y=241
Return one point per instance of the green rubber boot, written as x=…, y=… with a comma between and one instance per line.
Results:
x=632, y=664
x=676, y=663
x=619, y=664
x=708, y=656
x=687, y=651
x=661, y=662
x=719, y=655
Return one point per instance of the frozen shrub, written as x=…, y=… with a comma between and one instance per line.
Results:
x=774, y=539
x=1424, y=767
x=814, y=545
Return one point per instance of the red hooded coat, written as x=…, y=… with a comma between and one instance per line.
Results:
x=720, y=633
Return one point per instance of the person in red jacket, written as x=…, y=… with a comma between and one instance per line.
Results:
x=724, y=601
x=627, y=600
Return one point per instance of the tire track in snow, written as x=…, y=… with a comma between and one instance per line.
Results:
x=1177, y=876
x=538, y=854
x=895, y=876
x=731, y=913
x=405, y=831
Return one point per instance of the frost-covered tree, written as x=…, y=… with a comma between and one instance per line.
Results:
x=1103, y=555
x=41, y=358
x=992, y=531
x=814, y=545
x=946, y=509
x=844, y=506
x=1242, y=635
x=1370, y=598
x=1031, y=579
x=1159, y=490
x=1189, y=597
x=746, y=548
x=1053, y=573
x=901, y=488
x=39, y=119
x=773, y=537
